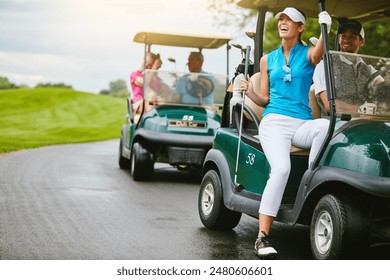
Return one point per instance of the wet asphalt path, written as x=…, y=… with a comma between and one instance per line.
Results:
x=73, y=202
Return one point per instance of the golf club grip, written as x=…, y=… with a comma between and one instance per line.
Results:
x=247, y=55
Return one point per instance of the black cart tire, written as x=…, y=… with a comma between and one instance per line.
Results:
x=339, y=228
x=124, y=163
x=142, y=164
x=212, y=211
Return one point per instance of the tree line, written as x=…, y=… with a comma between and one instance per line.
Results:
x=228, y=15
x=116, y=88
x=5, y=83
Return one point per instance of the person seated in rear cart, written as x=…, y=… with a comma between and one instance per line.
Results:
x=151, y=61
x=195, y=88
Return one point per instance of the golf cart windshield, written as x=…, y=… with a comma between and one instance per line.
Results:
x=164, y=87
x=362, y=85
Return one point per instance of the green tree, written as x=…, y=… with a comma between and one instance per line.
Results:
x=104, y=92
x=53, y=85
x=117, y=88
x=377, y=39
x=228, y=14
x=6, y=84
x=23, y=86
x=312, y=29
x=377, y=34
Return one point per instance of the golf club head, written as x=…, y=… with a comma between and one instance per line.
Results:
x=238, y=46
x=251, y=34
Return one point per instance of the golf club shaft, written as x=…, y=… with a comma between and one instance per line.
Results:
x=248, y=50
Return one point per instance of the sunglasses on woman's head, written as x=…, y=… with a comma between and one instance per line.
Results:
x=287, y=75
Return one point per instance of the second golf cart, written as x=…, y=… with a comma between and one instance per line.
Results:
x=180, y=110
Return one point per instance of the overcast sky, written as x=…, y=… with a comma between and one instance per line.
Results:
x=88, y=43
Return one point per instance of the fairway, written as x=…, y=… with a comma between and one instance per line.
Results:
x=32, y=118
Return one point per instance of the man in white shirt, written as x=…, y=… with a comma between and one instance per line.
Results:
x=351, y=71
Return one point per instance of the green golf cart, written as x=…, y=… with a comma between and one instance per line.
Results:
x=181, y=111
x=344, y=197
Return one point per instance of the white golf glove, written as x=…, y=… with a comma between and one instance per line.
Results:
x=324, y=17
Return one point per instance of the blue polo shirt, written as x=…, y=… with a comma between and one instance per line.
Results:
x=290, y=97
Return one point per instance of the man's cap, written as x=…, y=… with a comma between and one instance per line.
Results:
x=353, y=25
x=292, y=13
x=196, y=55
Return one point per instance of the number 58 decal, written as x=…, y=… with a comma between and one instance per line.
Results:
x=250, y=159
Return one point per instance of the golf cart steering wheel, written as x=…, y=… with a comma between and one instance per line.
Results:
x=199, y=88
x=366, y=92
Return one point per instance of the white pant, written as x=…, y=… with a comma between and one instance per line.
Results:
x=277, y=133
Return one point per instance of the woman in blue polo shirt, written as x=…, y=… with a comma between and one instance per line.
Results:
x=286, y=75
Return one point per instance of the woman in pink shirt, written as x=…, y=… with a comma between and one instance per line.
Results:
x=152, y=61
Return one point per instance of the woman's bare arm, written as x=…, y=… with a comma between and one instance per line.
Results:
x=260, y=98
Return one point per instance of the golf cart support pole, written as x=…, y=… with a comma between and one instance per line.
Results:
x=238, y=186
x=228, y=47
x=259, y=39
x=329, y=89
x=147, y=48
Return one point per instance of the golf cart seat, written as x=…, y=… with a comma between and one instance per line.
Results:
x=258, y=110
x=313, y=103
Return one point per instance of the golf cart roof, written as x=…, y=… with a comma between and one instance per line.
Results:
x=189, y=40
x=362, y=10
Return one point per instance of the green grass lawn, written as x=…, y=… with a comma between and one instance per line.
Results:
x=32, y=118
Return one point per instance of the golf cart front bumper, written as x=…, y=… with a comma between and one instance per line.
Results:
x=177, y=149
